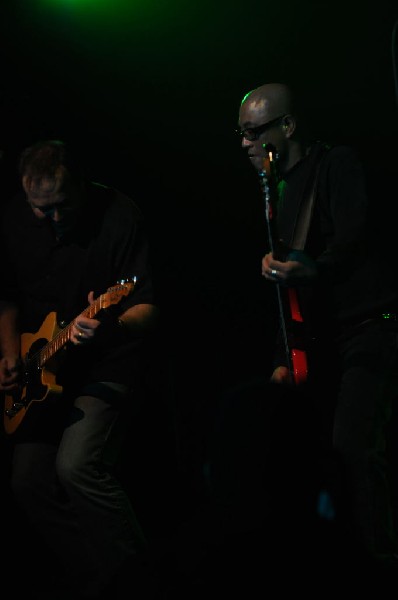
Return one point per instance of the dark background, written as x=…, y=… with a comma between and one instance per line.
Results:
x=149, y=92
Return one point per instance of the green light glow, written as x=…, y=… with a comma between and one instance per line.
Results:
x=130, y=16
x=106, y=8
x=108, y=5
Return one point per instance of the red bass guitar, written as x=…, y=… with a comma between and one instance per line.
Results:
x=291, y=319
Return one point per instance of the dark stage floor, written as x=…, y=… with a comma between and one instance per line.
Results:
x=198, y=561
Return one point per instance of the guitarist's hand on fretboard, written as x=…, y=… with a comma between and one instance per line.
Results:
x=298, y=269
x=83, y=328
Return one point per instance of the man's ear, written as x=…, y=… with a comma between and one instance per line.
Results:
x=26, y=183
x=289, y=125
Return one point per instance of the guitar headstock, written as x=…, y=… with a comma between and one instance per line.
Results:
x=114, y=294
x=269, y=180
x=269, y=162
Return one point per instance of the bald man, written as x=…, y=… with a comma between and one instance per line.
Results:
x=322, y=256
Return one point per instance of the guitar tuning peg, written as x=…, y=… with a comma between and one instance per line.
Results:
x=124, y=281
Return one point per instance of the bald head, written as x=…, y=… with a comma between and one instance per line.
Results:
x=270, y=100
x=267, y=115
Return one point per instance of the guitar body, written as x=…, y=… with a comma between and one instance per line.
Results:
x=40, y=354
x=39, y=383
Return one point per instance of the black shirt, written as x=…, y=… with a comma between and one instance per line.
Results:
x=355, y=280
x=43, y=274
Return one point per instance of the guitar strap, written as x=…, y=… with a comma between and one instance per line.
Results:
x=306, y=207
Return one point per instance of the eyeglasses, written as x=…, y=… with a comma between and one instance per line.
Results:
x=253, y=133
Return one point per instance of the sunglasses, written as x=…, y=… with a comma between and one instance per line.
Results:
x=253, y=133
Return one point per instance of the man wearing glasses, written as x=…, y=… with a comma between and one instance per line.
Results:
x=337, y=301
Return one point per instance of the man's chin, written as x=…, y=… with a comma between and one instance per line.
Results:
x=257, y=162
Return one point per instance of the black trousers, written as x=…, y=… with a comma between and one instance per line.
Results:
x=286, y=461
x=363, y=432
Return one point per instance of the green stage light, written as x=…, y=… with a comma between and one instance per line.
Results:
x=113, y=13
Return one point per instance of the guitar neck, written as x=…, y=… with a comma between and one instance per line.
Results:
x=112, y=296
x=63, y=336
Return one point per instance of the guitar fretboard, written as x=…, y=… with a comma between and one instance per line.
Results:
x=112, y=296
